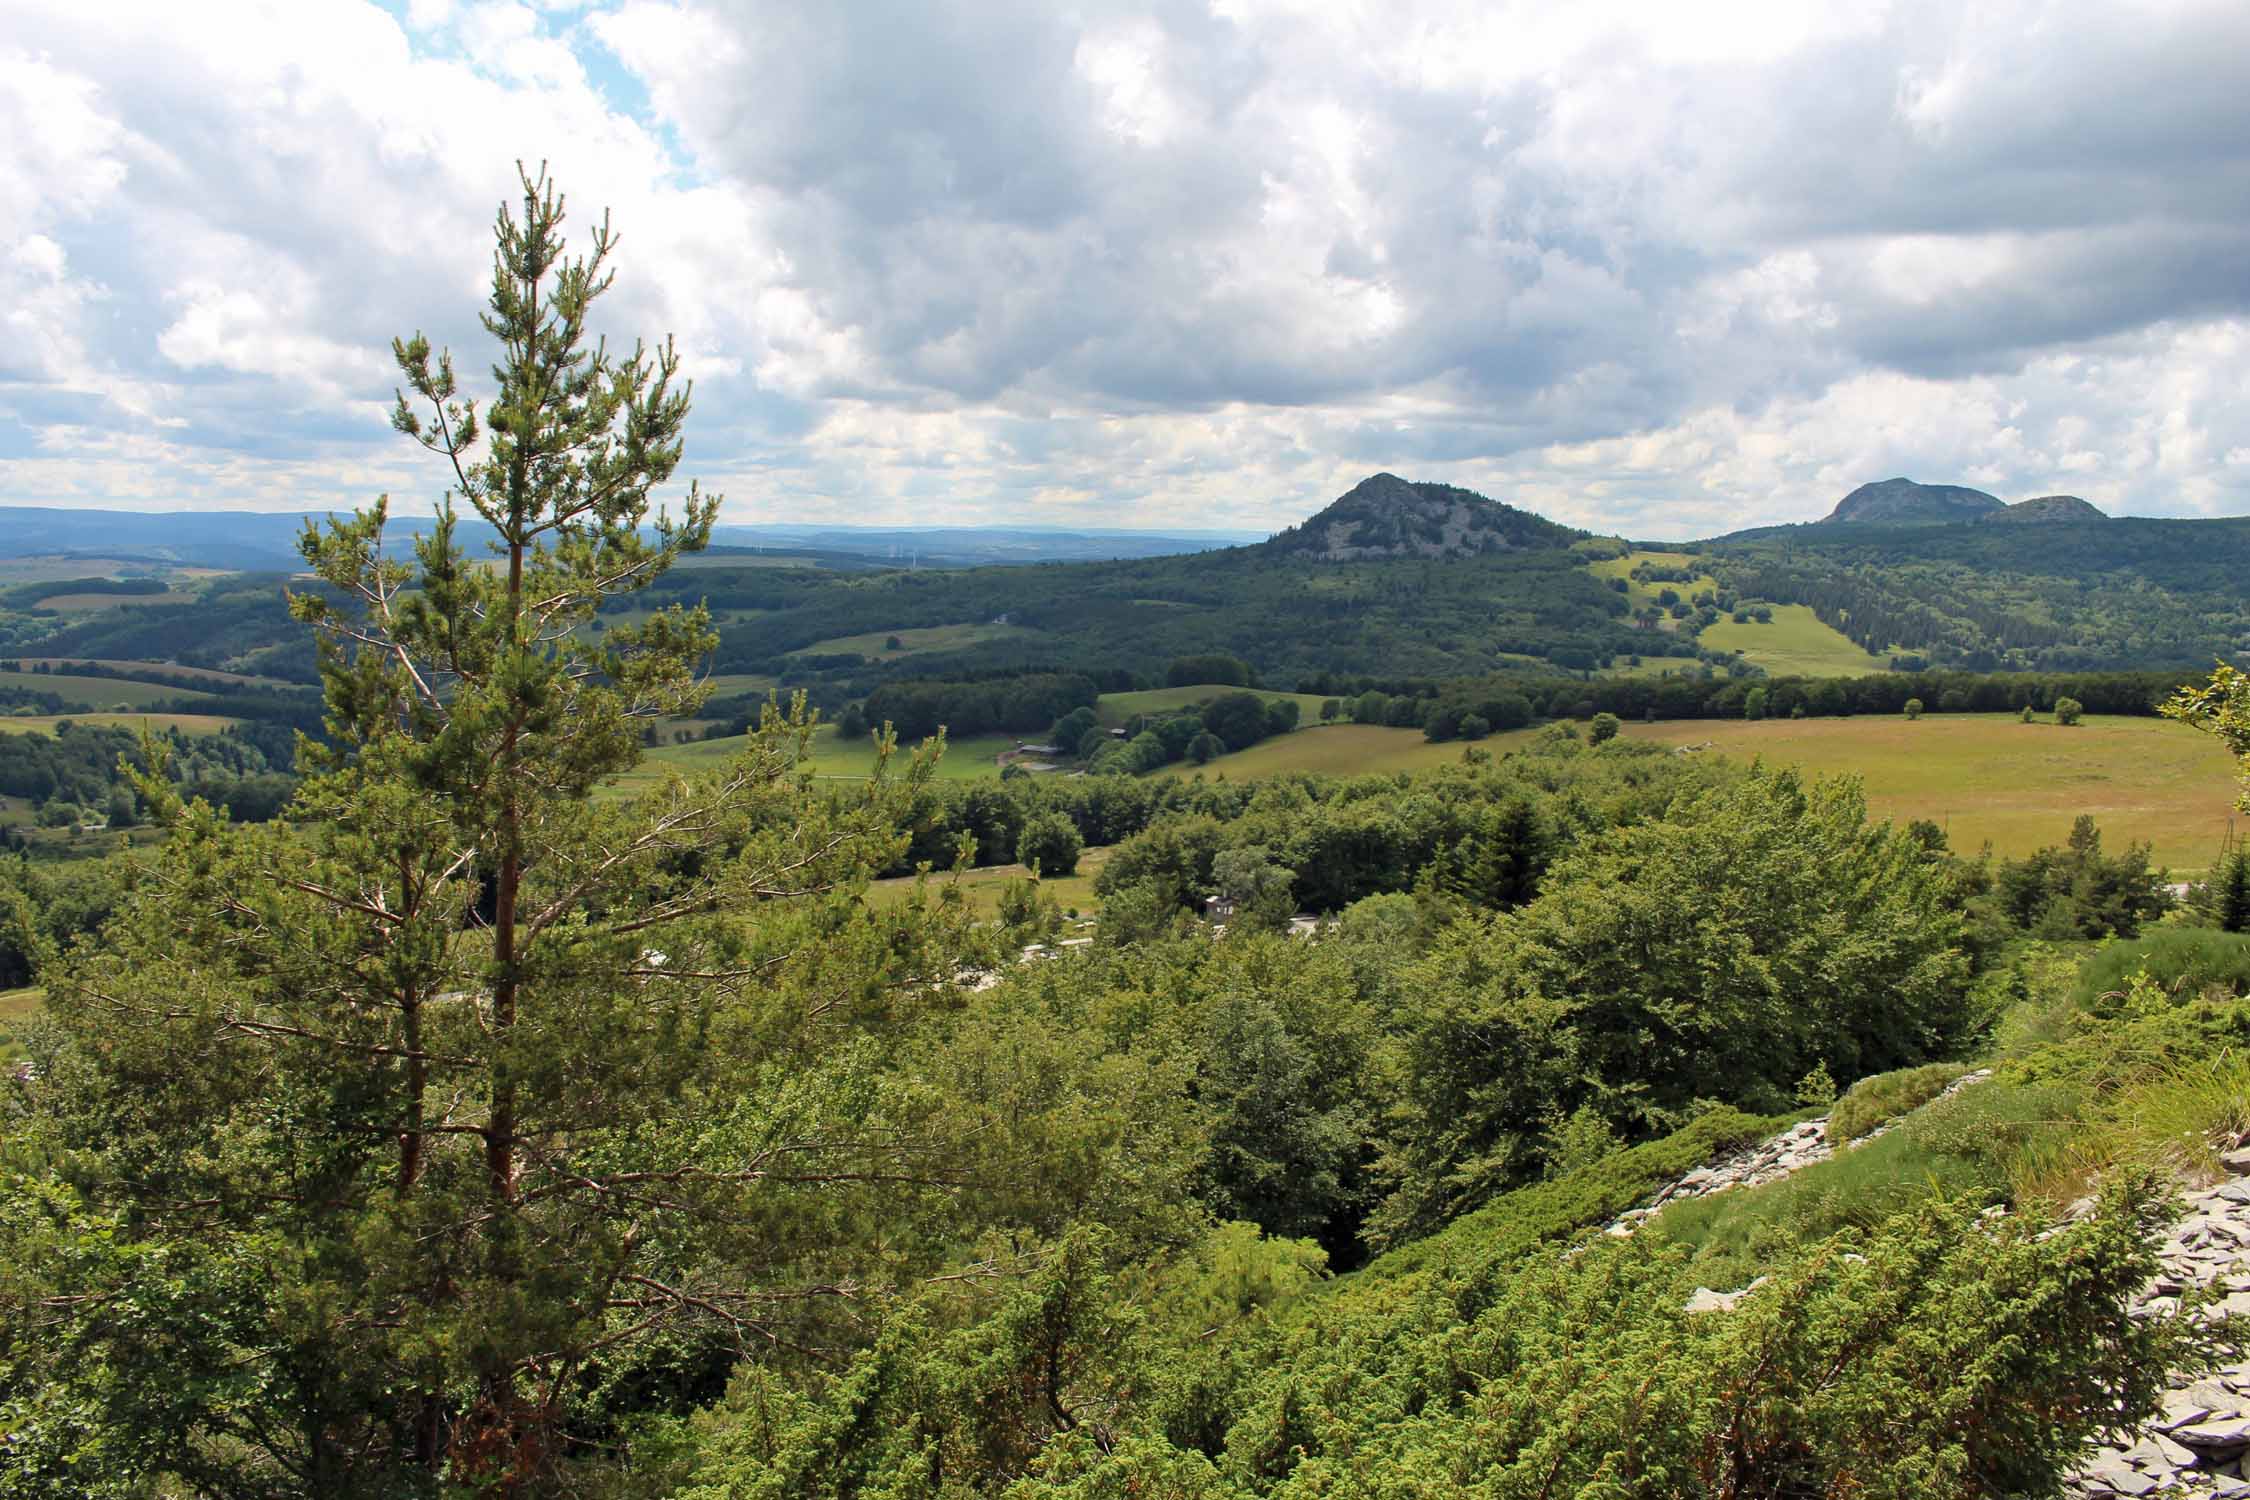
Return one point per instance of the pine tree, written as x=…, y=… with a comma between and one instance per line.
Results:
x=470, y=1083
x=2233, y=903
x=1499, y=865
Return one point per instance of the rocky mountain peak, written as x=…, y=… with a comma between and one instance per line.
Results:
x=1386, y=516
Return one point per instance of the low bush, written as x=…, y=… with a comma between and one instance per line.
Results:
x=1564, y=1205
x=1734, y=1236
x=2184, y=961
x=1885, y=1096
x=2023, y=1002
x=2012, y=1131
x=1976, y=1147
x=2174, y=1121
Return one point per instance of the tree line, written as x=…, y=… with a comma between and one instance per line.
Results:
x=2068, y=597
x=2137, y=693
x=918, y=709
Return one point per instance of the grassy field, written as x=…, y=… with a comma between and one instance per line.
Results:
x=16, y=1008
x=983, y=887
x=727, y=684
x=1116, y=708
x=1795, y=644
x=1982, y=777
x=210, y=675
x=51, y=568
x=1331, y=749
x=184, y=723
x=1652, y=666
x=97, y=692
x=92, y=604
x=1645, y=593
x=965, y=759
x=912, y=642
x=1986, y=777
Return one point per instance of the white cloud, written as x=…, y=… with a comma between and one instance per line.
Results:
x=1648, y=267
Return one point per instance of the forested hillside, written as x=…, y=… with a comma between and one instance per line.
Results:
x=2062, y=596
x=1288, y=614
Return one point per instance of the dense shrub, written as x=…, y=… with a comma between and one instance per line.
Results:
x=1050, y=841
x=2184, y=961
x=1933, y=1353
x=1883, y=1097
x=1707, y=692
x=1720, y=953
x=1025, y=704
x=2076, y=891
x=1215, y=667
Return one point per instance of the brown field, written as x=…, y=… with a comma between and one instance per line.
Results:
x=169, y=669
x=1984, y=778
x=94, y=603
x=184, y=723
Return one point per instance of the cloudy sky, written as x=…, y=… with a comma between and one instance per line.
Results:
x=1656, y=267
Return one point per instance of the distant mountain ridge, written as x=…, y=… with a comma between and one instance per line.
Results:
x=266, y=541
x=1384, y=516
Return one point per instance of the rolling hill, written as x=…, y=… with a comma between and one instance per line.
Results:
x=1897, y=500
x=2045, y=509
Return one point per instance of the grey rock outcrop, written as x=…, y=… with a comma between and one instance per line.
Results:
x=2197, y=1442
x=1769, y=1160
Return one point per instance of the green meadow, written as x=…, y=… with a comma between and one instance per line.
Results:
x=1117, y=708
x=876, y=643
x=964, y=759
x=1794, y=644
x=97, y=692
